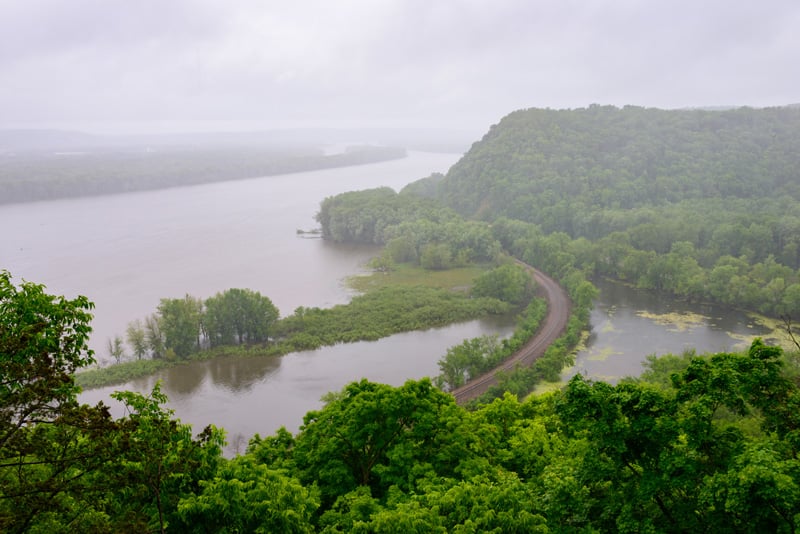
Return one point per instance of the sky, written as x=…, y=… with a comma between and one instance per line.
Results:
x=461, y=64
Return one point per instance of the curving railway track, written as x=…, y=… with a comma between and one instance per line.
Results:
x=553, y=326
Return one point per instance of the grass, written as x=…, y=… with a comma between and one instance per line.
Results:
x=406, y=275
x=458, y=279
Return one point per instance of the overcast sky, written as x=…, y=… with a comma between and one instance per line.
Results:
x=435, y=63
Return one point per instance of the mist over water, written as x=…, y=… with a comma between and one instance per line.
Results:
x=126, y=252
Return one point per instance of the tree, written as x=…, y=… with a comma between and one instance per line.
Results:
x=137, y=339
x=688, y=458
x=375, y=435
x=154, y=337
x=179, y=322
x=49, y=444
x=116, y=349
x=43, y=341
x=239, y=316
x=466, y=361
x=436, y=257
x=383, y=263
x=509, y=283
x=245, y=496
x=163, y=464
x=402, y=249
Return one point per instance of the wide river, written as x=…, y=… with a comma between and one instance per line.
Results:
x=125, y=252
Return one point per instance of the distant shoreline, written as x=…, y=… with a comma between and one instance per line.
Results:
x=50, y=176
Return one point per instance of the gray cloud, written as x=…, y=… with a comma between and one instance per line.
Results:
x=386, y=62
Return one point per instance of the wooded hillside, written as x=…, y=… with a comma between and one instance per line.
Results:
x=700, y=204
x=604, y=157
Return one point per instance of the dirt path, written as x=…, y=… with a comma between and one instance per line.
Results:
x=553, y=326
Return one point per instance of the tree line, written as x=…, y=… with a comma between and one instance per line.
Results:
x=29, y=177
x=767, y=286
x=412, y=229
x=244, y=322
x=697, y=443
x=183, y=326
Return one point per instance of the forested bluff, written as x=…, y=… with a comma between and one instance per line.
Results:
x=699, y=204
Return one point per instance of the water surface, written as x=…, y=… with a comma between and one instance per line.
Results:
x=126, y=252
x=628, y=324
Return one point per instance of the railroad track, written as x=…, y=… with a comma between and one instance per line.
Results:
x=554, y=325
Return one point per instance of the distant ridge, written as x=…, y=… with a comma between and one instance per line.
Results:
x=34, y=140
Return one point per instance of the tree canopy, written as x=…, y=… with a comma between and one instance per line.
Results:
x=700, y=204
x=699, y=443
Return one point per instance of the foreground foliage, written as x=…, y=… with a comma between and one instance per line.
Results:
x=66, y=467
x=699, y=444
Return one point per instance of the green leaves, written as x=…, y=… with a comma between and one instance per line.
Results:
x=244, y=496
x=691, y=457
x=509, y=283
x=238, y=316
x=468, y=360
x=50, y=447
x=374, y=435
x=179, y=322
x=162, y=461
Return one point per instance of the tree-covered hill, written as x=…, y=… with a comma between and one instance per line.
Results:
x=700, y=204
x=604, y=157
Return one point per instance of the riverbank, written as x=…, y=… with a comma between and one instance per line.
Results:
x=381, y=311
x=125, y=252
x=547, y=330
x=34, y=177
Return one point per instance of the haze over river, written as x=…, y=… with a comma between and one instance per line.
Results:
x=125, y=252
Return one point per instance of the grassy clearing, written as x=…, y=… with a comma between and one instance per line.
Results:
x=119, y=373
x=405, y=274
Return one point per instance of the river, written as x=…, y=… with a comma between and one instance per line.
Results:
x=125, y=252
x=628, y=324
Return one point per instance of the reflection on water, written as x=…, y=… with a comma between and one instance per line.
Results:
x=127, y=251
x=260, y=394
x=628, y=324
